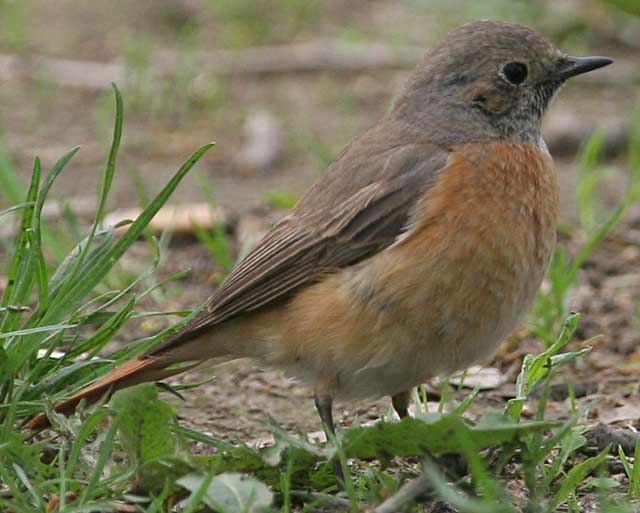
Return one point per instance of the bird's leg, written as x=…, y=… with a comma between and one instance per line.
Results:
x=324, y=403
x=454, y=462
x=400, y=403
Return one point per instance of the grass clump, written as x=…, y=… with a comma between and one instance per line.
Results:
x=53, y=324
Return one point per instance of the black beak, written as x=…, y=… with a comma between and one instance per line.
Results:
x=573, y=66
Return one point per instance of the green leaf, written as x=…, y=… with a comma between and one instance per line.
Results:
x=231, y=492
x=309, y=469
x=576, y=476
x=535, y=368
x=145, y=423
x=432, y=434
x=197, y=436
x=603, y=483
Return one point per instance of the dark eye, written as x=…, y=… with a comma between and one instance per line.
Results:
x=515, y=72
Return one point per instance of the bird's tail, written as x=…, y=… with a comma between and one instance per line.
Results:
x=140, y=370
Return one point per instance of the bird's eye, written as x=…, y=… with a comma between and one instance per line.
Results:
x=515, y=72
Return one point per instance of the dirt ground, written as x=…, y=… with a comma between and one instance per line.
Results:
x=314, y=115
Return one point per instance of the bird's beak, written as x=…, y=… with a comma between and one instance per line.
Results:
x=573, y=66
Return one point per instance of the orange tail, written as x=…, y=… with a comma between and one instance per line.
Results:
x=140, y=370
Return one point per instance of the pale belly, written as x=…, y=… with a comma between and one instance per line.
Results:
x=405, y=359
x=395, y=323
x=439, y=323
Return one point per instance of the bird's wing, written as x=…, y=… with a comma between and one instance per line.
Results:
x=359, y=207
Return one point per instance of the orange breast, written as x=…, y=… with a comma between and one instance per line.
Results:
x=448, y=292
x=503, y=196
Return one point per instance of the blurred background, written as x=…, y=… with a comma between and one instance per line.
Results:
x=194, y=71
x=282, y=87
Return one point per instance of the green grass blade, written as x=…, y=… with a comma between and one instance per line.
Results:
x=35, y=240
x=634, y=481
x=454, y=496
x=588, y=180
x=10, y=184
x=56, y=381
x=39, y=329
x=106, y=332
x=105, y=187
x=174, y=277
x=19, y=206
x=62, y=474
x=195, y=500
x=88, y=427
x=575, y=478
x=628, y=467
x=41, y=268
x=23, y=351
x=67, y=265
x=19, y=500
x=22, y=476
x=113, y=155
x=106, y=449
x=217, y=242
x=79, y=289
x=19, y=279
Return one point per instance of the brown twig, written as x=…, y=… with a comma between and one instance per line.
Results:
x=178, y=219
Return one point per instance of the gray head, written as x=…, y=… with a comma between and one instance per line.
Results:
x=487, y=80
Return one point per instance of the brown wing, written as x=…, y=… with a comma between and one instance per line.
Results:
x=360, y=206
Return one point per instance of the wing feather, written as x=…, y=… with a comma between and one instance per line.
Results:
x=360, y=206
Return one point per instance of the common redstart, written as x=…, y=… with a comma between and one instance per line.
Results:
x=415, y=254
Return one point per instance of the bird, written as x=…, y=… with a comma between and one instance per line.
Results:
x=415, y=254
